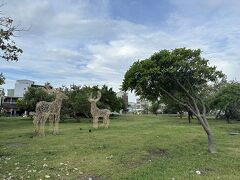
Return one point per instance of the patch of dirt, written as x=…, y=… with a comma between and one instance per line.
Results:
x=206, y=170
x=15, y=144
x=131, y=164
x=51, y=153
x=158, y=153
x=152, y=155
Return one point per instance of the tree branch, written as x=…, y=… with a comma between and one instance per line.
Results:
x=179, y=101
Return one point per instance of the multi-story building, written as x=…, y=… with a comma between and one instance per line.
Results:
x=21, y=86
x=142, y=106
x=8, y=103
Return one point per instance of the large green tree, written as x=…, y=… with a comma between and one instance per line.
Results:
x=8, y=49
x=181, y=74
x=227, y=100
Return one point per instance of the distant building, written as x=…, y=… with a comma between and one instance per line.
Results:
x=21, y=86
x=124, y=96
x=8, y=103
x=132, y=106
x=142, y=106
x=10, y=92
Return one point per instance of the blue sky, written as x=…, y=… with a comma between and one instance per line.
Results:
x=94, y=42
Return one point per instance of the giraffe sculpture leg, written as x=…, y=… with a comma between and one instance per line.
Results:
x=51, y=122
x=108, y=121
x=56, y=124
x=35, y=124
x=42, y=125
x=105, y=121
x=95, y=122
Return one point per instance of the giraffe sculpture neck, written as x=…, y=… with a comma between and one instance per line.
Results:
x=58, y=101
x=94, y=107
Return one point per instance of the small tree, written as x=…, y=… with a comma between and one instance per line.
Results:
x=227, y=100
x=181, y=74
x=110, y=100
x=77, y=103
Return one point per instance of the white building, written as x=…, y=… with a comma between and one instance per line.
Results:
x=21, y=86
x=143, y=104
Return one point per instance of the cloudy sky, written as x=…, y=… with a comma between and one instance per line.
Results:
x=95, y=41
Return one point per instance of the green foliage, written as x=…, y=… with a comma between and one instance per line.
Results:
x=2, y=79
x=180, y=73
x=171, y=107
x=31, y=97
x=227, y=99
x=110, y=100
x=8, y=49
x=78, y=104
x=154, y=107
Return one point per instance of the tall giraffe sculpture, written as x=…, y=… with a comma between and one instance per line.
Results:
x=48, y=110
x=96, y=112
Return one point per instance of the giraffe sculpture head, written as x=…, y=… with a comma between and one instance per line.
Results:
x=96, y=99
x=59, y=94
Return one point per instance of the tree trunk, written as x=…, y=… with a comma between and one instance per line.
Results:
x=218, y=114
x=208, y=131
x=189, y=116
x=180, y=114
x=227, y=116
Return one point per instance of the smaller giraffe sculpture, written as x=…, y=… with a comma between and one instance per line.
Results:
x=48, y=110
x=96, y=112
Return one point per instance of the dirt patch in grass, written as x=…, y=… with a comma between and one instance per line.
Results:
x=206, y=170
x=131, y=164
x=15, y=144
x=156, y=153
x=51, y=152
x=150, y=156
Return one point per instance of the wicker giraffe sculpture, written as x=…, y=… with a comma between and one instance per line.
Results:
x=96, y=112
x=48, y=110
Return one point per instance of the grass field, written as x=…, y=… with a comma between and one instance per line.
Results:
x=134, y=147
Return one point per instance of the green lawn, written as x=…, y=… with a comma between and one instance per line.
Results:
x=134, y=147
